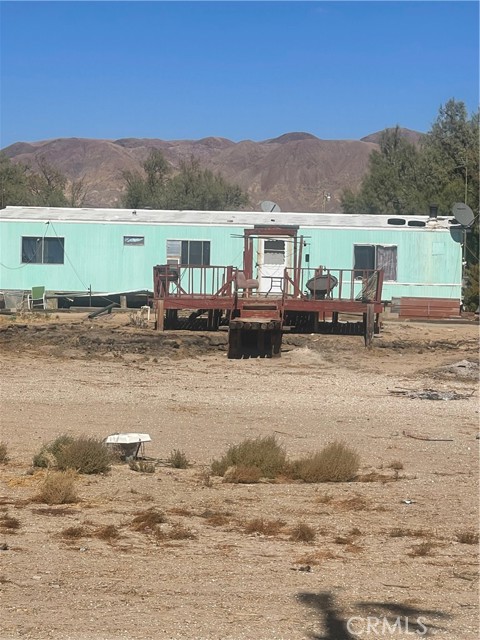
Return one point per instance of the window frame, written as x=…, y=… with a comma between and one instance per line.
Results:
x=375, y=247
x=133, y=241
x=42, y=251
x=185, y=249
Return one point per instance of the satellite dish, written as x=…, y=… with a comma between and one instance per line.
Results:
x=463, y=214
x=269, y=206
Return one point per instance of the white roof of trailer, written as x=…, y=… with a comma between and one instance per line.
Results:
x=220, y=218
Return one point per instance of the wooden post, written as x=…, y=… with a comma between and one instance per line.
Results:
x=160, y=314
x=369, y=322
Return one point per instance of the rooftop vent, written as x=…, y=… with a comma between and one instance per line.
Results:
x=396, y=221
x=416, y=223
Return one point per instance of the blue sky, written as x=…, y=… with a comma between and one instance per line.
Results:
x=239, y=70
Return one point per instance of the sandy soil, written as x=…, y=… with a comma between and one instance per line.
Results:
x=100, y=377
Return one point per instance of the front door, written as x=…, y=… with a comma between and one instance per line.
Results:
x=271, y=260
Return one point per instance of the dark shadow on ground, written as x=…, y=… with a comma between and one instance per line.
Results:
x=401, y=618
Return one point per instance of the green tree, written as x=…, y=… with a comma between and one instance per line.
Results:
x=22, y=186
x=13, y=183
x=404, y=180
x=445, y=169
x=391, y=185
x=203, y=190
x=47, y=184
x=191, y=188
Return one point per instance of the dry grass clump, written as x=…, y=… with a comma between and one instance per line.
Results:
x=302, y=532
x=241, y=474
x=58, y=488
x=146, y=521
x=264, y=527
x=265, y=454
x=3, y=453
x=216, y=518
x=47, y=456
x=355, y=503
x=336, y=462
x=177, y=532
x=142, y=466
x=178, y=459
x=399, y=532
x=467, y=537
x=108, y=532
x=396, y=465
x=180, y=511
x=422, y=549
x=85, y=455
x=73, y=533
x=315, y=557
x=9, y=524
x=324, y=498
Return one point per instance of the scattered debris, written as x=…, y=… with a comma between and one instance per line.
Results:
x=408, y=501
x=4, y=547
x=306, y=568
x=462, y=369
x=420, y=436
x=431, y=394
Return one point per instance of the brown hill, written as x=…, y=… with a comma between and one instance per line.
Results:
x=296, y=170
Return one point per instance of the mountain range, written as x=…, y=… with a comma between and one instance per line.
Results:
x=298, y=171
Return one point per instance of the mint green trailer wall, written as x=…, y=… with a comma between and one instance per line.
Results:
x=429, y=261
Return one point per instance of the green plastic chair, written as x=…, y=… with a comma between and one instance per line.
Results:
x=37, y=299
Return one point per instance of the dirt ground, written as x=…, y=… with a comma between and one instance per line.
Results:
x=385, y=552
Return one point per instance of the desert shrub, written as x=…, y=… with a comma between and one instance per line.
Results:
x=73, y=533
x=396, y=465
x=302, y=532
x=467, y=537
x=9, y=524
x=178, y=459
x=147, y=520
x=336, y=462
x=265, y=527
x=180, y=532
x=58, y=488
x=422, y=549
x=141, y=466
x=3, y=453
x=47, y=456
x=108, y=532
x=264, y=453
x=242, y=475
x=400, y=532
x=85, y=455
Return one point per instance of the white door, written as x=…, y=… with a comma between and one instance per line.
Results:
x=271, y=260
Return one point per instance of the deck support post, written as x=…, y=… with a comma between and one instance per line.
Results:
x=369, y=324
x=160, y=314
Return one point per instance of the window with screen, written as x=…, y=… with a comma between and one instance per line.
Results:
x=369, y=256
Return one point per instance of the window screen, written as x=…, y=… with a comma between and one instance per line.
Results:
x=387, y=260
